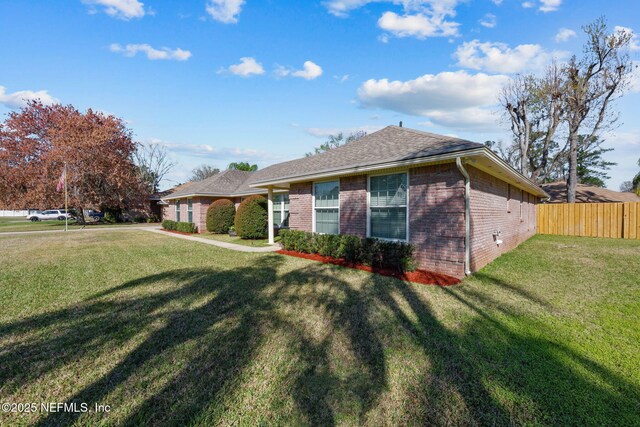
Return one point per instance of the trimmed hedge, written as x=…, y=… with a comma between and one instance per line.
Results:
x=220, y=216
x=373, y=252
x=251, y=218
x=185, y=227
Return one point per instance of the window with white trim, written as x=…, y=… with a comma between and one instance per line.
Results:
x=189, y=210
x=281, y=210
x=388, y=206
x=178, y=210
x=326, y=205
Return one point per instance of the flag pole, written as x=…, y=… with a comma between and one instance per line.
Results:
x=66, y=209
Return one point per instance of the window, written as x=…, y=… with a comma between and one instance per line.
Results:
x=189, y=210
x=326, y=207
x=508, y=198
x=388, y=206
x=178, y=210
x=281, y=210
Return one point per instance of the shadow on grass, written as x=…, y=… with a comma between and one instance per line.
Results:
x=212, y=324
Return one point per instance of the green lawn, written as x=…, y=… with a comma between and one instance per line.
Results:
x=21, y=224
x=168, y=331
x=237, y=240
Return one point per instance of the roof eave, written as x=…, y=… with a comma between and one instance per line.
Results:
x=514, y=175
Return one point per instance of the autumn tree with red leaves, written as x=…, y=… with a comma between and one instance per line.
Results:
x=36, y=141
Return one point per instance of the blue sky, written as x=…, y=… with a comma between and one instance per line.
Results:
x=175, y=70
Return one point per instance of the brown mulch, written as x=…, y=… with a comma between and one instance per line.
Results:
x=418, y=276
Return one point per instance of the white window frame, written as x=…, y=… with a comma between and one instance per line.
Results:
x=282, y=210
x=178, y=210
x=313, y=202
x=407, y=206
x=190, y=210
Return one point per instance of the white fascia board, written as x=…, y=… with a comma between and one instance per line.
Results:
x=513, y=175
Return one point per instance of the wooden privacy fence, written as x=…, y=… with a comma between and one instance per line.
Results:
x=616, y=220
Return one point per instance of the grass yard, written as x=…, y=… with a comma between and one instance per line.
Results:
x=168, y=331
x=237, y=240
x=12, y=223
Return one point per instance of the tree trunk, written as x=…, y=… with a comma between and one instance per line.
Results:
x=572, y=180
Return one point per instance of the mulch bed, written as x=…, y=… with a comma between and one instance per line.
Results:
x=419, y=276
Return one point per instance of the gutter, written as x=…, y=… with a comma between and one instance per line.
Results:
x=467, y=216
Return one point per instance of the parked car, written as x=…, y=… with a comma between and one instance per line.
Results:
x=95, y=215
x=58, y=214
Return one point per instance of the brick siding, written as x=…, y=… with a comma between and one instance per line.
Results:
x=436, y=218
x=300, y=209
x=491, y=211
x=353, y=205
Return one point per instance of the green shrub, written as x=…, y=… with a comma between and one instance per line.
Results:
x=251, y=218
x=374, y=252
x=349, y=248
x=220, y=216
x=168, y=224
x=186, y=227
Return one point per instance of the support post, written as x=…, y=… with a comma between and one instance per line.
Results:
x=270, y=212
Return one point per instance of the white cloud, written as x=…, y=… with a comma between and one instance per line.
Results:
x=343, y=78
x=419, y=25
x=326, y=132
x=550, y=5
x=451, y=99
x=420, y=18
x=164, y=53
x=211, y=152
x=310, y=71
x=225, y=11
x=564, y=34
x=497, y=2
x=489, y=20
x=634, y=43
x=121, y=9
x=528, y=4
x=19, y=98
x=247, y=67
x=499, y=57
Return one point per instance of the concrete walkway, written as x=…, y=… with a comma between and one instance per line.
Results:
x=158, y=230
x=79, y=230
x=218, y=243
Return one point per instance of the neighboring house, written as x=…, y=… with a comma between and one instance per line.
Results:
x=586, y=194
x=157, y=204
x=189, y=203
x=456, y=201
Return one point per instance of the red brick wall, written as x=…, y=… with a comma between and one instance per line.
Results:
x=436, y=218
x=491, y=212
x=353, y=205
x=300, y=209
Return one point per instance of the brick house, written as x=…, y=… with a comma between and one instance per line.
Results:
x=456, y=201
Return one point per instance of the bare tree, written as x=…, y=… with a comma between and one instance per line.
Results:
x=517, y=99
x=593, y=83
x=153, y=164
x=203, y=172
x=548, y=108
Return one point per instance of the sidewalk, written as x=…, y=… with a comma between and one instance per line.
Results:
x=225, y=245
x=158, y=230
x=79, y=230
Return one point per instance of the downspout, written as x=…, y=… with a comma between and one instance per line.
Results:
x=467, y=215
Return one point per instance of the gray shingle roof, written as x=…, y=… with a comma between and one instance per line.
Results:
x=390, y=144
x=227, y=182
